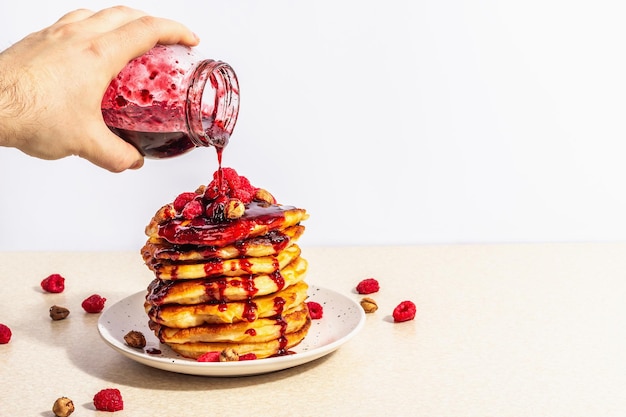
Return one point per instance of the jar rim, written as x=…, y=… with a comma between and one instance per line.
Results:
x=212, y=103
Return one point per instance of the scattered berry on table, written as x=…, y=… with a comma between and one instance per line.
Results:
x=405, y=311
x=93, y=304
x=368, y=286
x=108, y=399
x=5, y=334
x=54, y=283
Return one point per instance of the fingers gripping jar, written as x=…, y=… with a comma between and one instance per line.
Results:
x=168, y=102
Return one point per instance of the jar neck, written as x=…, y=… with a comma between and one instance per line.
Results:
x=212, y=103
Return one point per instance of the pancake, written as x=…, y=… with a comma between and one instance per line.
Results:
x=265, y=245
x=224, y=289
x=262, y=350
x=225, y=267
x=228, y=275
x=185, y=316
x=257, y=331
x=258, y=219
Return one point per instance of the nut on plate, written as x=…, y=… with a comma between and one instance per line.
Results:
x=63, y=407
x=369, y=305
x=229, y=355
x=135, y=339
x=58, y=312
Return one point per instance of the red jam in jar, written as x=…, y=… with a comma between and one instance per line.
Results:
x=168, y=102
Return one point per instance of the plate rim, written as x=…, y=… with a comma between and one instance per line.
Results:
x=243, y=368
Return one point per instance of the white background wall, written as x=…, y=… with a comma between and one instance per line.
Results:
x=392, y=122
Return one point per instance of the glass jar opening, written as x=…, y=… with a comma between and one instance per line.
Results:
x=213, y=104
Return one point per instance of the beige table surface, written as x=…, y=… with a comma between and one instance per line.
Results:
x=502, y=330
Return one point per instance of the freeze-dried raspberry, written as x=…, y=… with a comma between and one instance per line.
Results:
x=53, y=283
x=108, y=399
x=181, y=201
x=209, y=357
x=367, y=286
x=244, y=195
x=5, y=334
x=233, y=185
x=192, y=210
x=212, y=191
x=316, y=311
x=93, y=304
x=405, y=311
x=247, y=357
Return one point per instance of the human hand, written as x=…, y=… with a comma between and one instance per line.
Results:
x=52, y=83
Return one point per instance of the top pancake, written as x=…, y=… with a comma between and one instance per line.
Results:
x=258, y=219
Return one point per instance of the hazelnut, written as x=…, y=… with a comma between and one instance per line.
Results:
x=135, y=339
x=265, y=196
x=63, y=407
x=58, y=312
x=234, y=209
x=166, y=212
x=369, y=305
x=229, y=355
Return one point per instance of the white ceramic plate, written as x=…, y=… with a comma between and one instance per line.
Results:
x=343, y=318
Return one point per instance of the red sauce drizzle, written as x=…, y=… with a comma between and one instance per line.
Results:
x=250, y=310
x=278, y=279
x=158, y=290
x=201, y=231
x=279, y=305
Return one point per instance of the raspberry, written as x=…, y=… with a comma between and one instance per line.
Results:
x=233, y=185
x=181, y=201
x=209, y=357
x=212, y=191
x=231, y=177
x=94, y=303
x=5, y=334
x=192, y=210
x=108, y=399
x=54, y=283
x=405, y=311
x=316, y=311
x=247, y=357
x=244, y=195
x=367, y=286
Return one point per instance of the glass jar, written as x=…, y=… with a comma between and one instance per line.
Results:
x=168, y=102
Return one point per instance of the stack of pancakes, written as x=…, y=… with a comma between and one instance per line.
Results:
x=228, y=273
